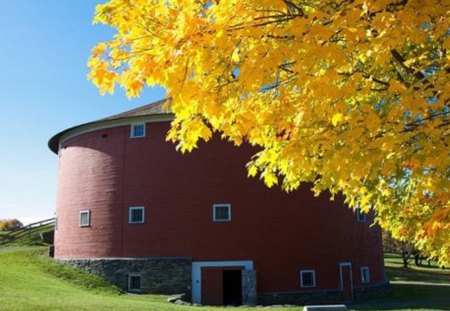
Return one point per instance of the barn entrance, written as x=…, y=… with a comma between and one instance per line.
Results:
x=232, y=287
x=221, y=286
x=346, y=280
x=223, y=283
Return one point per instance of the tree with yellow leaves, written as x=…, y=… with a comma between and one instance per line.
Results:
x=352, y=95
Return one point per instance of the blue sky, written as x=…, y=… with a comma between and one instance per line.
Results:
x=43, y=89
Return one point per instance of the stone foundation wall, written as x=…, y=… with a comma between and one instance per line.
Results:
x=158, y=275
x=300, y=298
x=173, y=276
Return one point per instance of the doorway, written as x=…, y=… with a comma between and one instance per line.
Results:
x=346, y=281
x=207, y=282
x=232, y=287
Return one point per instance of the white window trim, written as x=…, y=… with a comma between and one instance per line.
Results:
x=365, y=280
x=132, y=130
x=88, y=218
x=360, y=216
x=134, y=290
x=214, y=212
x=313, y=278
x=132, y=208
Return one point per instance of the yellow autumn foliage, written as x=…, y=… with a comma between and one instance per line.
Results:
x=353, y=96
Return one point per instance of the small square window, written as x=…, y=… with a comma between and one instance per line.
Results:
x=85, y=218
x=136, y=215
x=222, y=212
x=365, y=275
x=360, y=216
x=137, y=130
x=308, y=278
x=134, y=283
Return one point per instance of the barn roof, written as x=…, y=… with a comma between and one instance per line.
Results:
x=156, y=108
x=146, y=110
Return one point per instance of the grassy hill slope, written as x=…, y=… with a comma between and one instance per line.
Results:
x=29, y=280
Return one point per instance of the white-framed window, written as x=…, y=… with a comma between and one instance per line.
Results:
x=308, y=278
x=222, y=212
x=134, y=282
x=137, y=130
x=85, y=218
x=136, y=215
x=360, y=216
x=365, y=275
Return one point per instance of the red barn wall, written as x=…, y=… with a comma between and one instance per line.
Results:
x=106, y=172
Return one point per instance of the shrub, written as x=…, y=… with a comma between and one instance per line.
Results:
x=10, y=224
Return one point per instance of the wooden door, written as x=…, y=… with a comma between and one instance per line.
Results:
x=212, y=286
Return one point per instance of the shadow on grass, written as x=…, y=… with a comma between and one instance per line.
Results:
x=395, y=261
x=410, y=297
x=408, y=275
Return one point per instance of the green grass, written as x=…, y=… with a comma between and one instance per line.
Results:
x=422, y=273
x=31, y=281
x=410, y=297
x=412, y=288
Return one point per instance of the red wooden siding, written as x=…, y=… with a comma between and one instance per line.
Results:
x=282, y=233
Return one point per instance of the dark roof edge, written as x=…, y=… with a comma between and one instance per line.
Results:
x=153, y=109
x=159, y=107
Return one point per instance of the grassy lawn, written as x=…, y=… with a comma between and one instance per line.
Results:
x=412, y=288
x=410, y=297
x=31, y=281
x=423, y=273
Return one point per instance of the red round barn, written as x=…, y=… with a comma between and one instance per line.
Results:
x=149, y=219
